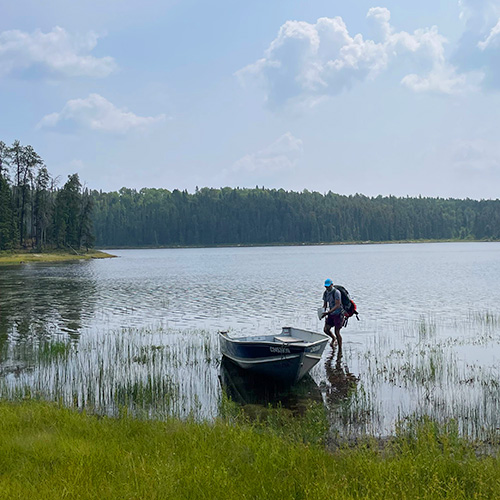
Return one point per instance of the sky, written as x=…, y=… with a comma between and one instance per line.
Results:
x=391, y=97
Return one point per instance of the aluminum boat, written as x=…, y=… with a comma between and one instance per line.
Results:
x=287, y=356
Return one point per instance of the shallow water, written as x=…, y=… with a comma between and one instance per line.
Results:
x=145, y=325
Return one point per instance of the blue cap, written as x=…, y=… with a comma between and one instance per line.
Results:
x=328, y=282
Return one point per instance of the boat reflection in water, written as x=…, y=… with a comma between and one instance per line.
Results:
x=256, y=392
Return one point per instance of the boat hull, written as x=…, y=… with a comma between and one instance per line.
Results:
x=288, y=357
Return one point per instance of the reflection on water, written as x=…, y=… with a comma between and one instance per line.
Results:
x=40, y=300
x=419, y=348
x=249, y=390
x=341, y=383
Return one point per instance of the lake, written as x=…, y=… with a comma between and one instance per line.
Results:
x=140, y=331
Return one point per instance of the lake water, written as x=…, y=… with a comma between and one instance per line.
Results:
x=130, y=330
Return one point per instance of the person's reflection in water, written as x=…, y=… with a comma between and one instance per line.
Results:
x=342, y=381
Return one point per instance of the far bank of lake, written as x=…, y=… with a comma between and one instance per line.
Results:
x=298, y=244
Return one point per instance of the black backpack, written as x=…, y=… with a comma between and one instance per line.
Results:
x=347, y=303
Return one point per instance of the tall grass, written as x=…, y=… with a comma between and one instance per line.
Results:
x=53, y=453
x=430, y=367
x=408, y=369
x=152, y=372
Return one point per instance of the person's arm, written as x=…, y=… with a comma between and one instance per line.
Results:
x=325, y=305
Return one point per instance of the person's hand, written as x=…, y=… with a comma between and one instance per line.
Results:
x=324, y=314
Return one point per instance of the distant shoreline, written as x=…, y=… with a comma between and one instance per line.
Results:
x=19, y=258
x=308, y=244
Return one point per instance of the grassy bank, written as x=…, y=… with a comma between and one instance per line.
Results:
x=16, y=258
x=48, y=452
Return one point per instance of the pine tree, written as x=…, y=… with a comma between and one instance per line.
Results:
x=67, y=214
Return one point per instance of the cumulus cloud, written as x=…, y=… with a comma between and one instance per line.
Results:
x=97, y=113
x=55, y=53
x=280, y=156
x=307, y=61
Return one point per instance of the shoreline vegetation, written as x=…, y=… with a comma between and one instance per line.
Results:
x=54, y=256
x=48, y=451
x=18, y=258
x=302, y=244
x=159, y=217
x=34, y=213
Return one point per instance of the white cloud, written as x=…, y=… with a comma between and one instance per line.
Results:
x=282, y=155
x=441, y=79
x=477, y=14
x=492, y=38
x=307, y=61
x=479, y=46
x=97, y=113
x=56, y=52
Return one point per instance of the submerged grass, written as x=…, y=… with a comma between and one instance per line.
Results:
x=423, y=367
x=48, y=452
x=310, y=427
x=151, y=372
x=426, y=367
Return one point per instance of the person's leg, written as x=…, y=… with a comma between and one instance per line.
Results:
x=328, y=330
x=339, y=338
x=338, y=320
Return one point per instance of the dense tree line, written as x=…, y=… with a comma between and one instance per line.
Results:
x=158, y=217
x=34, y=213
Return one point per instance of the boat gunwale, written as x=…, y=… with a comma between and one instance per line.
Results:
x=304, y=344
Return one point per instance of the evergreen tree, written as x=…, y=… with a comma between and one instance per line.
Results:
x=86, y=237
x=8, y=235
x=210, y=216
x=43, y=208
x=67, y=214
x=7, y=224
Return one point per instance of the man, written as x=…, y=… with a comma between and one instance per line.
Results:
x=332, y=304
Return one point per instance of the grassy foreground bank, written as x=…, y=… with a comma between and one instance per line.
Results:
x=13, y=258
x=48, y=452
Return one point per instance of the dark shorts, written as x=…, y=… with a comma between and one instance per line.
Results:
x=336, y=320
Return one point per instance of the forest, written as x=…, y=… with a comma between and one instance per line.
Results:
x=36, y=214
x=228, y=216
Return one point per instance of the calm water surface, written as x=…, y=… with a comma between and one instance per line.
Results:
x=427, y=343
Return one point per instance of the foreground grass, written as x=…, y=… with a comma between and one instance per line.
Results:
x=13, y=258
x=48, y=452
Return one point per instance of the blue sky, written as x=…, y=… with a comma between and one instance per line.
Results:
x=394, y=97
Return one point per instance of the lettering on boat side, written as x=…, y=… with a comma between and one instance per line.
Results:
x=314, y=348
x=280, y=350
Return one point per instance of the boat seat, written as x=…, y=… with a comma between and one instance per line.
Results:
x=289, y=340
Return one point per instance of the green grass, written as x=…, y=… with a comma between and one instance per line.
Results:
x=16, y=258
x=48, y=452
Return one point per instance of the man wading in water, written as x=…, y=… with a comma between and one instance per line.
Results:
x=332, y=304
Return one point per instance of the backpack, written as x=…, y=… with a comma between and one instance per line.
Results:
x=347, y=303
